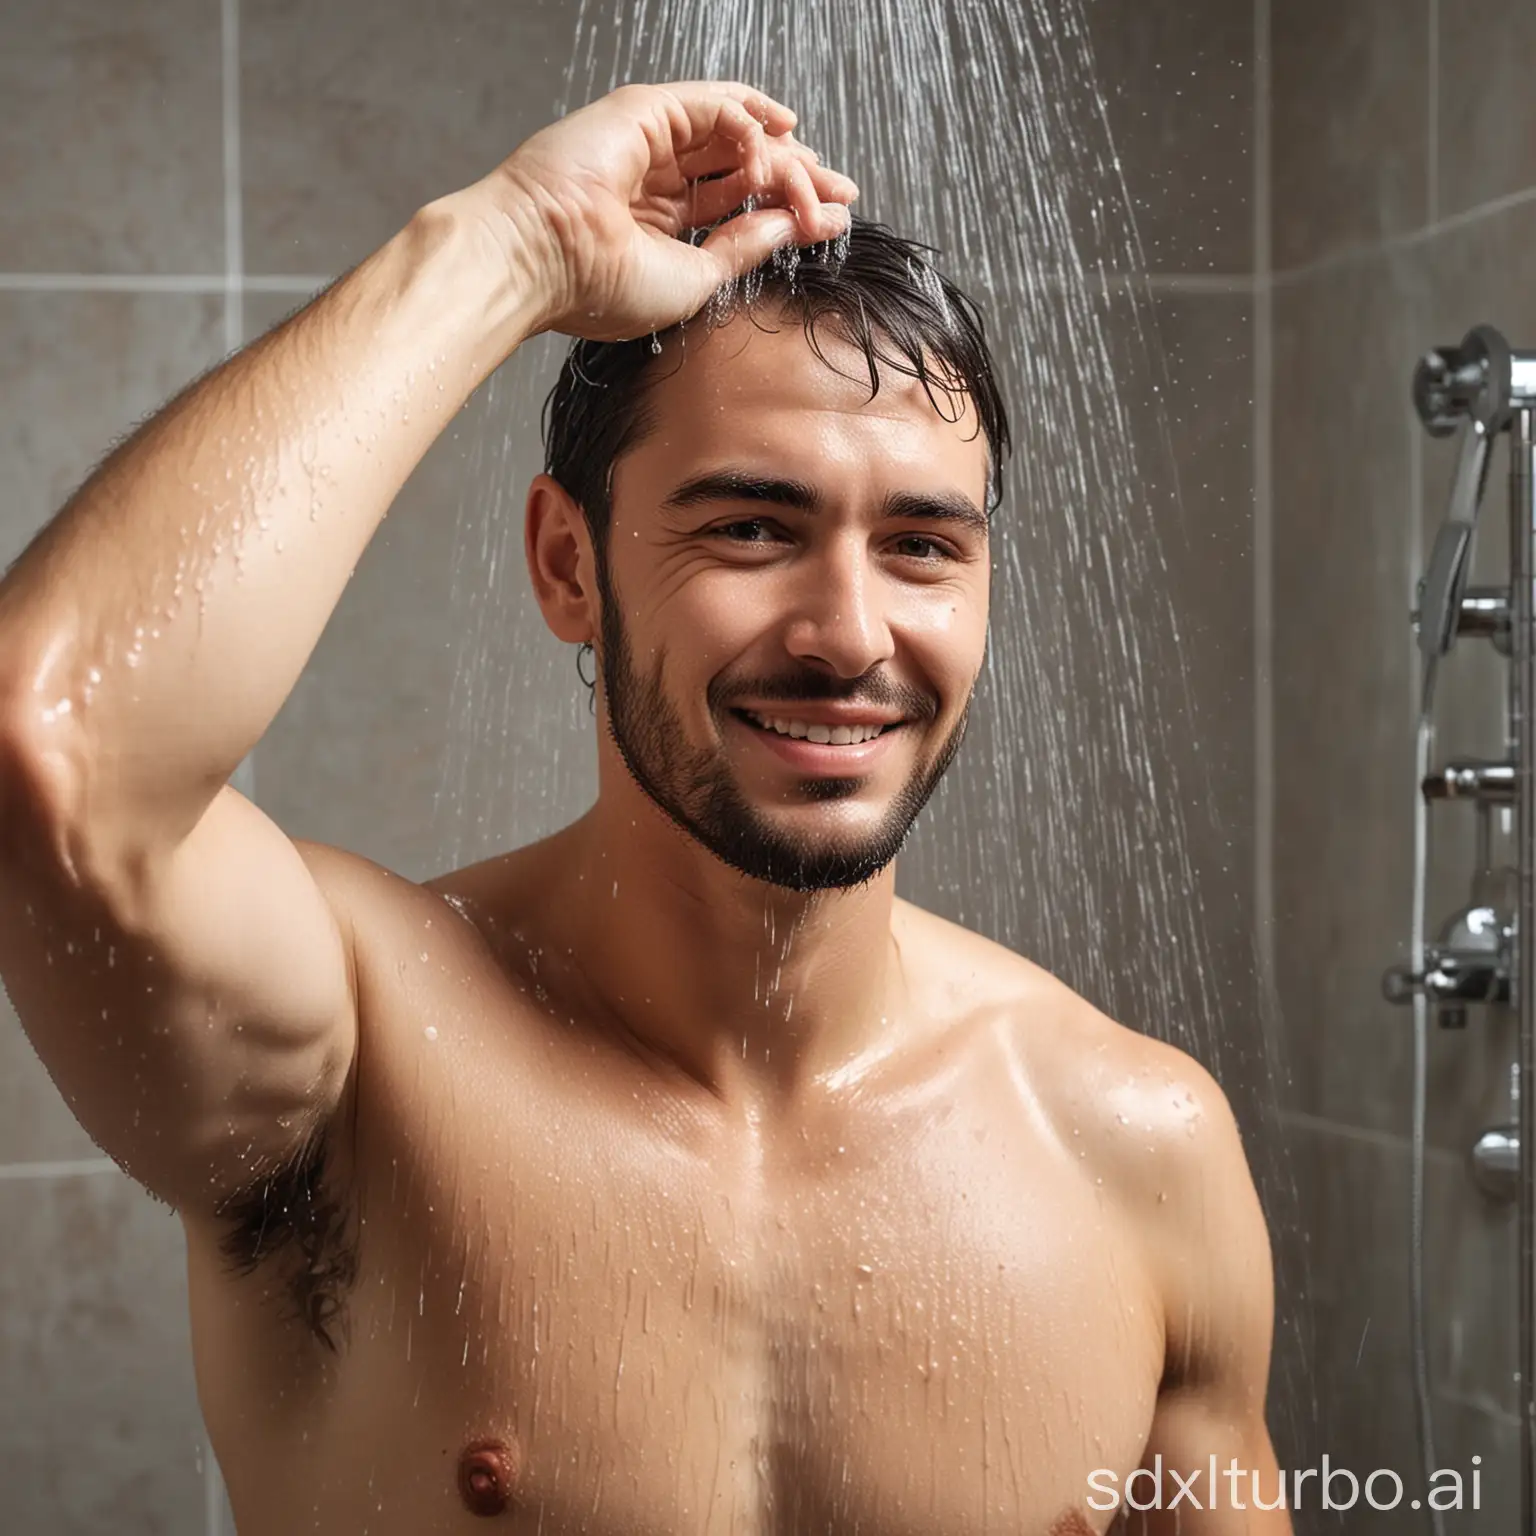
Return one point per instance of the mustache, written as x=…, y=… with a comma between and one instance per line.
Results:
x=816, y=687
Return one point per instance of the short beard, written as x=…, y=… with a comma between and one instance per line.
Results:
x=694, y=786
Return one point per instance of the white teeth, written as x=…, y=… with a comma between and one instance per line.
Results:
x=834, y=735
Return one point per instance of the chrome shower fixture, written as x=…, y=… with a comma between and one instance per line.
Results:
x=1486, y=953
x=1465, y=388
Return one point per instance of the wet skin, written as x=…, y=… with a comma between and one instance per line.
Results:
x=682, y=1201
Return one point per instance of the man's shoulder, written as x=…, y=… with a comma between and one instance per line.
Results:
x=1147, y=1108
x=1051, y=1017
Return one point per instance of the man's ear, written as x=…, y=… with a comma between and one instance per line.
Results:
x=558, y=547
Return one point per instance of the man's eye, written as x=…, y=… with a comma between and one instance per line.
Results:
x=747, y=531
x=928, y=549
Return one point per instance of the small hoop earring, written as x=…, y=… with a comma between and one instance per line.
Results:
x=591, y=682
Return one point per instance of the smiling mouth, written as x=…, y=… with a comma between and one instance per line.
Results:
x=815, y=732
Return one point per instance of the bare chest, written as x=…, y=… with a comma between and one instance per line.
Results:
x=919, y=1327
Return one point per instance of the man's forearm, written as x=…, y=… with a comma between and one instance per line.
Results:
x=152, y=632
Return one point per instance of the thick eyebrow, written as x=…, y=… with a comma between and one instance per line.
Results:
x=938, y=507
x=737, y=485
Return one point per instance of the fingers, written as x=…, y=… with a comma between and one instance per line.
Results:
x=750, y=239
x=705, y=202
x=774, y=172
x=737, y=131
x=832, y=186
x=800, y=185
x=721, y=127
x=732, y=144
x=773, y=115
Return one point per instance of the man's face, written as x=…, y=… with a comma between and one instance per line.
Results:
x=785, y=554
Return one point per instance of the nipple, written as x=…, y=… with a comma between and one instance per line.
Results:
x=487, y=1473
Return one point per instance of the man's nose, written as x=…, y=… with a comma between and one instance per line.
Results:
x=840, y=618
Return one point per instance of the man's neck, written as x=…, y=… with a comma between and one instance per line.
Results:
x=756, y=992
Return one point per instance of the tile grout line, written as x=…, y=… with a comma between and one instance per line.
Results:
x=244, y=777
x=1416, y=506
x=1189, y=282
x=1390, y=1141
x=1479, y=1404
x=1407, y=240
x=63, y=1168
x=111, y=282
x=234, y=237
x=1432, y=158
x=1263, y=597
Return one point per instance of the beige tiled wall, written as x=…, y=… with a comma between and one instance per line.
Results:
x=1403, y=170
x=438, y=720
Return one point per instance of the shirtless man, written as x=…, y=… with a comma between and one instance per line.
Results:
x=669, y=1175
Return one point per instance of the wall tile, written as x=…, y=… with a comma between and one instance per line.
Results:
x=36, y=1125
x=76, y=372
x=1464, y=1430
x=1349, y=126
x=1343, y=546
x=1207, y=346
x=1471, y=1304
x=1354, y=1193
x=346, y=135
x=1177, y=86
x=1487, y=117
x=99, y=1424
x=347, y=129
x=1204, y=470
x=1293, y=1385
x=111, y=142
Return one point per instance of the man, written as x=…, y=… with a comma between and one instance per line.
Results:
x=668, y=1175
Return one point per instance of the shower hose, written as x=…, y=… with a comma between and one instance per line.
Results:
x=1418, y=1322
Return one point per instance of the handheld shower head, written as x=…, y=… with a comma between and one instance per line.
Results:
x=1469, y=385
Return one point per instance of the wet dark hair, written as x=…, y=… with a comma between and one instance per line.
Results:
x=873, y=289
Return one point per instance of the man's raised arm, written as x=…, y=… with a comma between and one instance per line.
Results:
x=178, y=962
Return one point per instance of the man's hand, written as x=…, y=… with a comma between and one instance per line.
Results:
x=591, y=207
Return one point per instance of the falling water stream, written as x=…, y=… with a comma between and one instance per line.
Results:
x=1088, y=822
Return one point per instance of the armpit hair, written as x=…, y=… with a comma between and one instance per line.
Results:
x=291, y=1217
